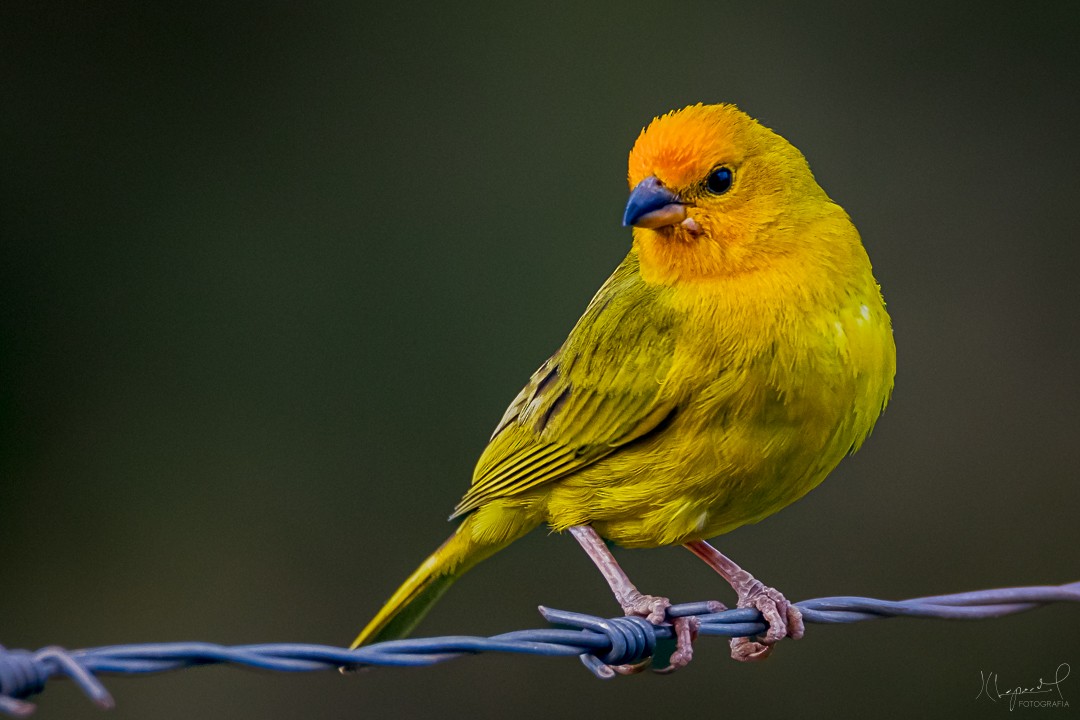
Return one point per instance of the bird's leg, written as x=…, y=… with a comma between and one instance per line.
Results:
x=784, y=619
x=633, y=602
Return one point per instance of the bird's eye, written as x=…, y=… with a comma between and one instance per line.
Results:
x=719, y=180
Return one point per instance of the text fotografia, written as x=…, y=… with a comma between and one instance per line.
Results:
x=1045, y=694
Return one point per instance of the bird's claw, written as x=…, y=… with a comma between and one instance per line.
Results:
x=629, y=669
x=686, y=632
x=782, y=617
x=651, y=607
x=654, y=610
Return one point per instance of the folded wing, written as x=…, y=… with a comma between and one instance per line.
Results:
x=603, y=389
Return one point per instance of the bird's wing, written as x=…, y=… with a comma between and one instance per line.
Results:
x=601, y=390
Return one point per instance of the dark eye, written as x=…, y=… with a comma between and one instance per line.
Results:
x=719, y=181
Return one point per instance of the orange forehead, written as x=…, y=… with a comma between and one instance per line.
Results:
x=681, y=147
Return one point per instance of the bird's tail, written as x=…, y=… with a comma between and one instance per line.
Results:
x=408, y=605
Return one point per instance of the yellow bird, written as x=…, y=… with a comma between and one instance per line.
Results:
x=734, y=357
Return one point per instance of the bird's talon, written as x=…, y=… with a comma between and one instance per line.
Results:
x=747, y=650
x=686, y=632
x=782, y=617
x=630, y=669
x=796, y=626
x=652, y=608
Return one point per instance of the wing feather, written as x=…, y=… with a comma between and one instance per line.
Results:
x=602, y=389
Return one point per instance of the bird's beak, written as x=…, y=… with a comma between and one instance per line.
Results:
x=651, y=205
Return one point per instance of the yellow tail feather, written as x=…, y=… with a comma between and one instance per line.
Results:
x=411, y=602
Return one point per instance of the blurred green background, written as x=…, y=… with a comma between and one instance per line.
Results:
x=271, y=275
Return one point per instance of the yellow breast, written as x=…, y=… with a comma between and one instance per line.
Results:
x=778, y=375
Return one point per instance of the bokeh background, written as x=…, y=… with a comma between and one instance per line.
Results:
x=271, y=275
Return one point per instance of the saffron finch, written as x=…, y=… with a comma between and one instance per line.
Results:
x=734, y=357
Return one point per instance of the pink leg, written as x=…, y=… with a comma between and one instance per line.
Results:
x=633, y=602
x=784, y=619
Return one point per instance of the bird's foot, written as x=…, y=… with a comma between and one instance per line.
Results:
x=654, y=609
x=783, y=618
x=686, y=631
x=651, y=607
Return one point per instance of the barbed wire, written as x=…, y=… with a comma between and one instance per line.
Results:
x=599, y=642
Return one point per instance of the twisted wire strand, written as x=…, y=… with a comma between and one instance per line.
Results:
x=598, y=642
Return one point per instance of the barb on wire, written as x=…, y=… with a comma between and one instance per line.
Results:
x=598, y=642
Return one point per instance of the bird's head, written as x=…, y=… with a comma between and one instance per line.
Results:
x=714, y=192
